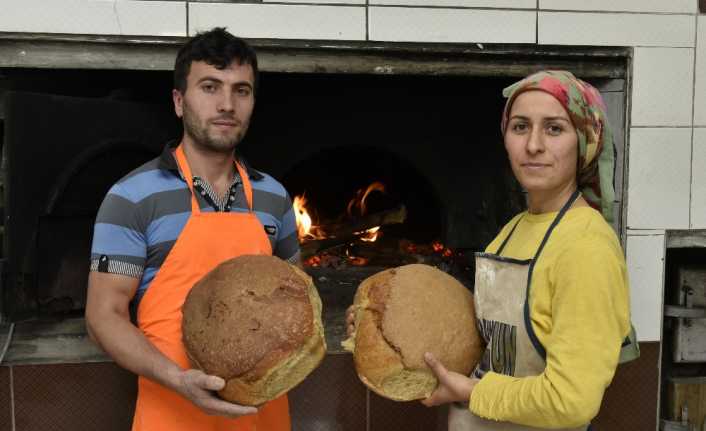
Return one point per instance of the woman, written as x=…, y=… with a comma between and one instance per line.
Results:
x=551, y=290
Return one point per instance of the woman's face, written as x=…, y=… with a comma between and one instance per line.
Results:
x=542, y=144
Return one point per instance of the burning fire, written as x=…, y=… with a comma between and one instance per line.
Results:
x=305, y=225
x=361, y=196
x=307, y=230
x=370, y=235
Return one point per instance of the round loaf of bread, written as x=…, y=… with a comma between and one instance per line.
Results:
x=255, y=321
x=400, y=314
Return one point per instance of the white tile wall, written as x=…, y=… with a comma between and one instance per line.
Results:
x=280, y=21
x=159, y=18
x=451, y=25
x=619, y=29
x=505, y=4
x=663, y=87
x=659, y=178
x=674, y=6
x=698, y=180
x=645, y=260
x=360, y=2
x=700, y=89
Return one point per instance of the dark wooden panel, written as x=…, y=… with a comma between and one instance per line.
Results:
x=386, y=415
x=330, y=399
x=5, y=400
x=630, y=403
x=72, y=397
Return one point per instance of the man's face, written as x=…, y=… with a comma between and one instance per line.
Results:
x=217, y=105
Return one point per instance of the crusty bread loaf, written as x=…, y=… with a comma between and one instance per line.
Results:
x=255, y=321
x=401, y=313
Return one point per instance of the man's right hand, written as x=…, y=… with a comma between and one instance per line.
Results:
x=198, y=387
x=108, y=323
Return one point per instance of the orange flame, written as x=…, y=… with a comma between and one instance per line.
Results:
x=361, y=196
x=370, y=235
x=305, y=225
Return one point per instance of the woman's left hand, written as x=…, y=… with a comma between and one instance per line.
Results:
x=452, y=386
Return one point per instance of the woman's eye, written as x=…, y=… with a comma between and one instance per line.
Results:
x=554, y=129
x=519, y=127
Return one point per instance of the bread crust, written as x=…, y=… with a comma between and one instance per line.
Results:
x=403, y=312
x=255, y=321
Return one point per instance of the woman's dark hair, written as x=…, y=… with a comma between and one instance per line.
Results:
x=216, y=47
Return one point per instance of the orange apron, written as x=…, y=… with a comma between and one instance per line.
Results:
x=207, y=240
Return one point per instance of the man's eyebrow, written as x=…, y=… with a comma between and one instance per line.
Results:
x=209, y=78
x=219, y=81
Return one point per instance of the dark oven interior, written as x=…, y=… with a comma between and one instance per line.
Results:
x=432, y=142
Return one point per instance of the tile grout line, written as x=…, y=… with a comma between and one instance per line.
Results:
x=186, y=5
x=536, y=24
x=367, y=20
x=367, y=409
x=693, y=118
x=12, y=398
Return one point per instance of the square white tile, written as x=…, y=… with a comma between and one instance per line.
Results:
x=698, y=180
x=451, y=25
x=670, y=6
x=494, y=4
x=700, y=89
x=280, y=21
x=156, y=18
x=345, y=2
x=645, y=260
x=659, y=178
x=662, y=89
x=616, y=29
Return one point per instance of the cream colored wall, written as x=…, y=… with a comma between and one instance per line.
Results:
x=667, y=118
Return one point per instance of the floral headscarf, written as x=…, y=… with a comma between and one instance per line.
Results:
x=587, y=112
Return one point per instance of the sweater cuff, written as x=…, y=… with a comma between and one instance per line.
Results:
x=479, y=402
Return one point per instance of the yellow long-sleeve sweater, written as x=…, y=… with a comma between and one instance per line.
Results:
x=579, y=309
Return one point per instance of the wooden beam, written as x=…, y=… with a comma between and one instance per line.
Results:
x=296, y=56
x=686, y=238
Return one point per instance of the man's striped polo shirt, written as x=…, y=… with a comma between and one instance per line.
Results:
x=144, y=212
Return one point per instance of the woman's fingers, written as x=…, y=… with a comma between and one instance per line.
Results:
x=350, y=320
x=437, y=367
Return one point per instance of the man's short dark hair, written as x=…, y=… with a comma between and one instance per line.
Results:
x=216, y=47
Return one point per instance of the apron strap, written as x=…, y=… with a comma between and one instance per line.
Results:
x=528, y=323
x=186, y=171
x=247, y=186
x=507, y=238
x=575, y=195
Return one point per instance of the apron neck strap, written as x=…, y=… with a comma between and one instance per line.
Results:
x=245, y=178
x=186, y=171
x=575, y=195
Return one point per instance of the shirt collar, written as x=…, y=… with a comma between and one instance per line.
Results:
x=168, y=161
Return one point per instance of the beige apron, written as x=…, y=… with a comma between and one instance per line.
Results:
x=501, y=295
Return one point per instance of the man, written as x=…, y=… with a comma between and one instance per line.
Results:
x=169, y=222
